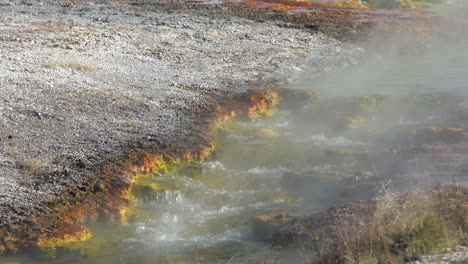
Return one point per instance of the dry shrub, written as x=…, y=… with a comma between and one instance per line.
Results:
x=401, y=227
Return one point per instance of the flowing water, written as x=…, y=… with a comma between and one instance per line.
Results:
x=358, y=128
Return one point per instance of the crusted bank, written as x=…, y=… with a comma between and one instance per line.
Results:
x=94, y=92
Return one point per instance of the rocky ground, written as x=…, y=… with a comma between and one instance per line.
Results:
x=84, y=84
x=458, y=255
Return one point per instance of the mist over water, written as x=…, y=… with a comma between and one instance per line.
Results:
x=415, y=84
x=351, y=131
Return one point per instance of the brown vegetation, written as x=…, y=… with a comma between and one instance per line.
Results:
x=395, y=228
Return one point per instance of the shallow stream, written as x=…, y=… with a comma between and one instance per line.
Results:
x=334, y=139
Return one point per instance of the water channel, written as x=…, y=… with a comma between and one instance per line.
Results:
x=329, y=133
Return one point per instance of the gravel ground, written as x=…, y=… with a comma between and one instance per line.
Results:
x=83, y=84
x=458, y=255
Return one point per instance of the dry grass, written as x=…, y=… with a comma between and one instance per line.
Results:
x=35, y=167
x=79, y=64
x=401, y=227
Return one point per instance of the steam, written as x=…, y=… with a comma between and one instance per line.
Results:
x=453, y=8
x=415, y=81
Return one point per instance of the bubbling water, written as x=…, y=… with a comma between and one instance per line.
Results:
x=376, y=122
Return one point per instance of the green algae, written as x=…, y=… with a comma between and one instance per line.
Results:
x=147, y=187
x=268, y=153
x=266, y=132
x=245, y=129
x=135, y=214
x=261, y=146
x=276, y=218
x=94, y=247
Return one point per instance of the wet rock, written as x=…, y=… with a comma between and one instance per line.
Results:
x=297, y=98
x=264, y=225
x=393, y=162
x=363, y=185
x=329, y=187
x=346, y=155
x=386, y=164
x=445, y=135
x=318, y=186
x=314, y=230
x=344, y=123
